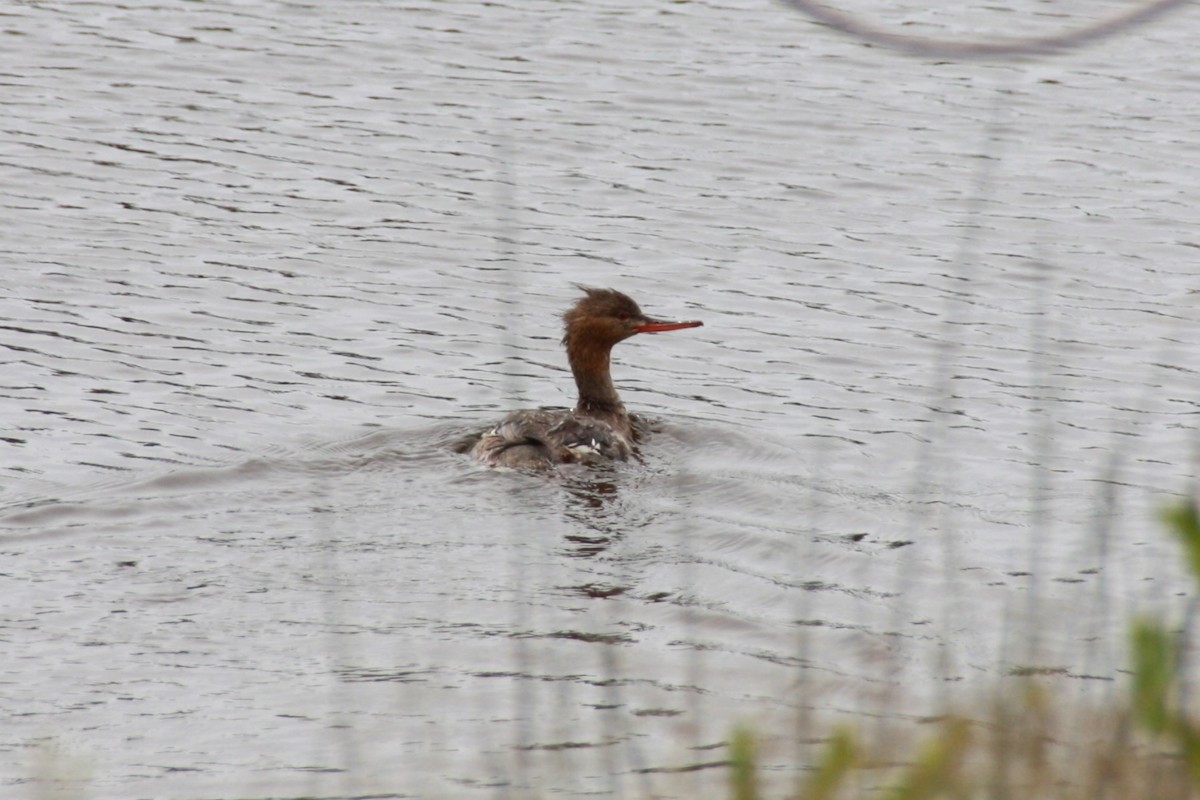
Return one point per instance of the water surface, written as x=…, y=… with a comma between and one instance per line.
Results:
x=265, y=264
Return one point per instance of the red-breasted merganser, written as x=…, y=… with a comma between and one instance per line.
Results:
x=599, y=426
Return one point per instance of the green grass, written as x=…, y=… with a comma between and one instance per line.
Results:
x=1027, y=744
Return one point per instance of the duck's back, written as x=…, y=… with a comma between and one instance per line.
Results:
x=543, y=437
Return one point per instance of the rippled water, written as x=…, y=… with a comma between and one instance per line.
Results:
x=267, y=262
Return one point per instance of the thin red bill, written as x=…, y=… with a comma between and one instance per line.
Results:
x=659, y=326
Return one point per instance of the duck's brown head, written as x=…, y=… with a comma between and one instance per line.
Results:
x=603, y=317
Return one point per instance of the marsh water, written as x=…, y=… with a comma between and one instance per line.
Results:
x=265, y=264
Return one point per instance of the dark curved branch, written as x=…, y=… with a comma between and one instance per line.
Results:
x=938, y=48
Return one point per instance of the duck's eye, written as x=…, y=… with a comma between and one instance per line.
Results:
x=623, y=317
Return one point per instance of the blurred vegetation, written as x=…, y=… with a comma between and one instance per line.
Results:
x=1029, y=745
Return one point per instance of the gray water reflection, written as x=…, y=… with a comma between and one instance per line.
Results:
x=265, y=265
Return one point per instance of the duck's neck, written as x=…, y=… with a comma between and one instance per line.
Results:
x=597, y=396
